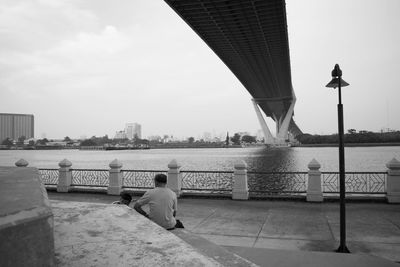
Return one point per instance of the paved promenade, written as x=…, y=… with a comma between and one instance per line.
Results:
x=247, y=228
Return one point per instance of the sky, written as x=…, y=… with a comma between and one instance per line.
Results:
x=87, y=67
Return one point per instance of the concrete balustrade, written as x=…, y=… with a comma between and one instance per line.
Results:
x=393, y=181
x=65, y=176
x=314, y=188
x=240, y=190
x=174, y=181
x=115, y=178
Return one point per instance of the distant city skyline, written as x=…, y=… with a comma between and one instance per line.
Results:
x=86, y=67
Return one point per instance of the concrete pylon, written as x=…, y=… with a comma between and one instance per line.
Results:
x=268, y=137
x=282, y=122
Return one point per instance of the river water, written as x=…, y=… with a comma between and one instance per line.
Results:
x=363, y=159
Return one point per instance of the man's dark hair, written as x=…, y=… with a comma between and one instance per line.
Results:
x=160, y=178
x=126, y=197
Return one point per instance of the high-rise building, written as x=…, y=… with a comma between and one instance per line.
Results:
x=16, y=125
x=120, y=135
x=132, y=129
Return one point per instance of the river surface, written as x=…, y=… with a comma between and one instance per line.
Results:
x=363, y=159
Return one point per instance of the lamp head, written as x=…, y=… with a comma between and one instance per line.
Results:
x=336, y=77
x=336, y=72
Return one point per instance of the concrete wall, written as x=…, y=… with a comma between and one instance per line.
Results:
x=26, y=219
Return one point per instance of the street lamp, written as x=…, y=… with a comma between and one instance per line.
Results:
x=338, y=82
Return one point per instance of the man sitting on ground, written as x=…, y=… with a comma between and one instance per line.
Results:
x=162, y=202
x=125, y=199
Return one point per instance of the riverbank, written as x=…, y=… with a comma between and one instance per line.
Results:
x=193, y=146
x=348, y=145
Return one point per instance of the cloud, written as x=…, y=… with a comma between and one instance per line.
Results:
x=80, y=62
x=36, y=25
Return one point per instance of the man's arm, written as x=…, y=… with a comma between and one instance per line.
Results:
x=175, y=206
x=145, y=199
x=139, y=209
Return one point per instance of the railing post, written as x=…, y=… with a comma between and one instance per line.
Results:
x=314, y=188
x=393, y=181
x=64, y=176
x=174, y=181
x=21, y=163
x=240, y=188
x=115, y=178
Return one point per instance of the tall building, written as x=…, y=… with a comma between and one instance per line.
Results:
x=16, y=125
x=132, y=129
x=120, y=135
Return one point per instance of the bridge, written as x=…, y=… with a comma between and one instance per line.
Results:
x=250, y=37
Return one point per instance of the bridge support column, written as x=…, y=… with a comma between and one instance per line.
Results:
x=283, y=123
x=268, y=138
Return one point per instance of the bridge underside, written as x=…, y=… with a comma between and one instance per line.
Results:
x=250, y=37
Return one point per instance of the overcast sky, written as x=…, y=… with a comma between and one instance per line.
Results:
x=88, y=67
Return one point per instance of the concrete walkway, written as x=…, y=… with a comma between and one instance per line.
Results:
x=249, y=228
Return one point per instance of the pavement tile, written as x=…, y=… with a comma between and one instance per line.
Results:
x=296, y=224
x=393, y=217
x=285, y=258
x=387, y=233
x=228, y=226
x=194, y=209
x=276, y=243
x=190, y=223
x=225, y=240
x=370, y=216
x=383, y=250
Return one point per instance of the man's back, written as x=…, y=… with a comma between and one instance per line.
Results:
x=163, y=203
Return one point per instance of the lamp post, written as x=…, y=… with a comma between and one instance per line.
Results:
x=338, y=82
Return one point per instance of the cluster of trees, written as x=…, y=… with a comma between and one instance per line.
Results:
x=93, y=141
x=20, y=142
x=100, y=141
x=237, y=139
x=7, y=142
x=352, y=136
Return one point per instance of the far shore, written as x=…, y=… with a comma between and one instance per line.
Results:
x=348, y=145
x=204, y=146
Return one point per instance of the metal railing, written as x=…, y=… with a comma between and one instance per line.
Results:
x=90, y=177
x=49, y=176
x=259, y=183
x=277, y=182
x=140, y=179
x=210, y=181
x=355, y=182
